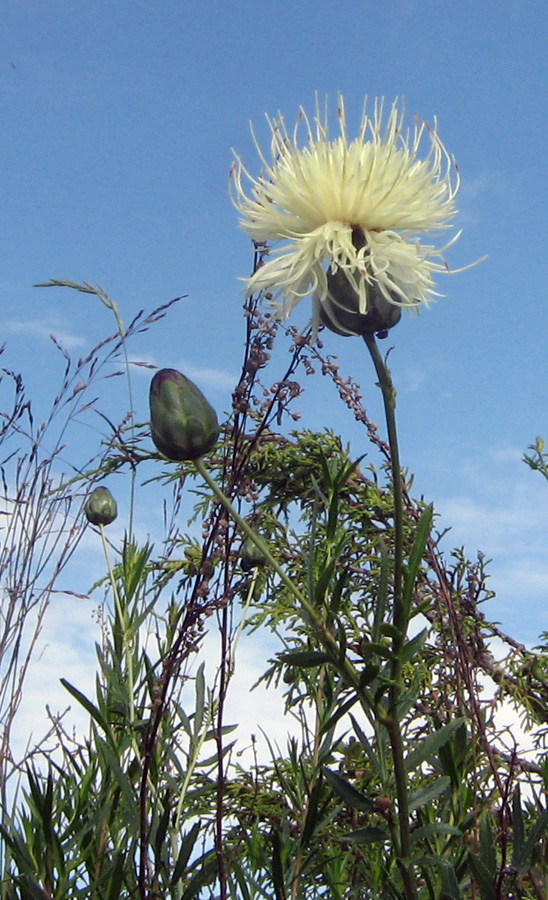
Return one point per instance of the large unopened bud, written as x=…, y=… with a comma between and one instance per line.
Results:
x=340, y=310
x=101, y=508
x=183, y=424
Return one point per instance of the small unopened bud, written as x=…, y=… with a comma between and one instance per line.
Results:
x=101, y=507
x=251, y=556
x=183, y=424
x=383, y=803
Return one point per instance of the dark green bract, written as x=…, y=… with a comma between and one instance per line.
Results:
x=251, y=556
x=183, y=424
x=101, y=508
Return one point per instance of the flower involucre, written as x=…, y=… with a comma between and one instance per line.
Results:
x=352, y=208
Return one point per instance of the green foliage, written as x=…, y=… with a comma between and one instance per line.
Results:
x=396, y=783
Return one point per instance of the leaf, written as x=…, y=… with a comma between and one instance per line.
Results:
x=200, y=695
x=518, y=829
x=389, y=630
x=382, y=597
x=484, y=879
x=323, y=581
x=19, y=849
x=537, y=831
x=422, y=534
x=87, y=704
x=116, y=879
x=372, y=648
x=161, y=829
x=306, y=659
x=414, y=646
x=450, y=885
x=347, y=792
x=487, y=846
x=365, y=742
x=434, y=829
x=311, y=813
x=429, y=747
x=187, y=846
x=429, y=792
x=368, y=835
x=338, y=714
x=277, y=867
x=112, y=761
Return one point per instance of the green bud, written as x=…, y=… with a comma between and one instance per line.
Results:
x=183, y=424
x=101, y=508
x=340, y=312
x=251, y=556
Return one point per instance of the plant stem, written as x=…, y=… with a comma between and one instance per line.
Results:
x=400, y=621
x=309, y=613
x=125, y=631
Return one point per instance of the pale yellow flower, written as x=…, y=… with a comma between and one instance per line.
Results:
x=357, y=208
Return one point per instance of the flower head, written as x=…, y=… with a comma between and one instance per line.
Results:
x=345, y=217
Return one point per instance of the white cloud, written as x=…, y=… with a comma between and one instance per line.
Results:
x=209, y=377
x=43, y=328
x=206, y=377
x=499, y=507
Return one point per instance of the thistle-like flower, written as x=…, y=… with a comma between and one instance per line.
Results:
x=345, y=218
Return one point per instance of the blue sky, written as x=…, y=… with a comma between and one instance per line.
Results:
x=118, y=122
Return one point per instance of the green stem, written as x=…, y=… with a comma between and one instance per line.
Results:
x=389, y=400
x=400, y=621
x=126, y=638
x=259, y=542
x=121, y=330
x=309, y=612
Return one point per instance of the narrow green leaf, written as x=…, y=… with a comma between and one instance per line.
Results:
x=429, y=747
x=323, y=580
x=422, y=534
x=115, y=881
x=449, y=883
x=347, y=792
x=120, y=777
x=338, y=714
x=204, y=875
x=434, y=829
x=187, y=846
x=200, y=699
x=372, y=648
x=159, y=838
x=306, y=659
x=241, y=878
x=382, y=596
x=485, y=881
x=414, y=646
x=87, y=704
x=369, y=835
x=19, y=850
x=368, y=674
x=389, y=630
x=537, y=831
x=333, y=516
x=311, y=813
x=517, y=828
x=487, y=846
x=277, y=867
x=429, y=792
x=366, y=743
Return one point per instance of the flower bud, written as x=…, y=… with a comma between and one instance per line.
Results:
x=340, y=310
x=251, y=556
x=183, y=424
x=101, y=507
